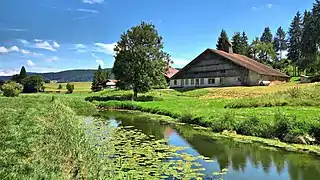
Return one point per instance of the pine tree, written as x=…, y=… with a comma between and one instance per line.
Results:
x=280, y=42
x=223, y=44
x=23, y=73
x=99, y=80
x=308, y=43
x=316, y=21
x=236, y=43
x=266, y=36
x=244, y=44
x=294, y=41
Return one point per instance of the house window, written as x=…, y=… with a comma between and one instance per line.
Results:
x=197, y=82
x=175, y=82
x=239, y=79
x=201, y=81
x=223, y=71
x=186, y=82
x=211, y=81
x=192, y=81
x=221, y=80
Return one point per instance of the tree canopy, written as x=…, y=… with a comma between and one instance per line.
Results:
x=237, y=44
x=33, y=84
x=280, y=42
x=223, y=43
x=140, y=62
x=100, y=78
x=266, y=36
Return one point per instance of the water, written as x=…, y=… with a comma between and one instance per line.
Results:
x=244, y=161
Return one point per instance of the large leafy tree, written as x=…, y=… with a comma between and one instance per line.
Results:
x=33, y=84
x=266, y=36
x=236, y=42
x=140, y=61
x=100, y=78
x=244, y=44
x=294, y=40
x=280, y=42
x=308, y=44
x=223, y=41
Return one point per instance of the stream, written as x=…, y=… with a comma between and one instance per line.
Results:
x=244, y=161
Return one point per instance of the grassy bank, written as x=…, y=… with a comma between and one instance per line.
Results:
x=283, y=122
x=47, y=137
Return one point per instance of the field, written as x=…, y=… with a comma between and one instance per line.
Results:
x=79, y=87
x=283, y=111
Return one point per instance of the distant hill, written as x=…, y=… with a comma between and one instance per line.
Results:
x=81, y=75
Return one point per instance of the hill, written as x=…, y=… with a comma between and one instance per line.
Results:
x=79, y=75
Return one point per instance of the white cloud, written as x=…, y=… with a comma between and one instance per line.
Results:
x=80, y=46
x=105, y=48
x=23, y=51
x=52, y=59
x=93, y=1
x=87, y=10
x=23, y=41
x=3, y=49
x=55, y=45
x=95, y=56
x=269, y=5
x=100, y=62
x=46, y=45
x=180, y=61
x=30, y=63
x=8, y=72
x=14, y=49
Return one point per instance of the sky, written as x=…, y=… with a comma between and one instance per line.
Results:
x=55, y=35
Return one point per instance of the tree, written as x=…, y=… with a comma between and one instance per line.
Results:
x=280, y=42
x=236, y=43
x=294, y=40
x=308, y=44
x=223, y=42
x=266, y=52
x=60, y=86
x=15, y=78
x=70, y=88
x=33, y=84
x=266, y=36
x=2, y=83
x=23, y=73
x=316, y=21
x=99, y=80
x=254, y=48
x=244, y=45
x=140, y=61
x=11, y=89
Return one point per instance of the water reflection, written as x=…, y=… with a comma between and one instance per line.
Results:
x=244, y=161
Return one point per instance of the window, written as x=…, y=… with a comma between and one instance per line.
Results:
x=221, y=80
x=239, y=79
x=175, y=82
x=201, y=81
x=192, y=81
x=211, y=81
x=197, y=82
x=223, y=71
x=186, y=82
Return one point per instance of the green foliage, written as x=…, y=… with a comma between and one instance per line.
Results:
x=245, y=50
x=99, y=80
x=140, y=61
x=33, y=84
x=236, y=43
x=283, y=125
x=223, y=41
x=60, y=86
x=266, y=36
x=70, y=88
x=280, y=42
x=11, y=89
x=226, y=122
x=1, y=83
x=23, y=73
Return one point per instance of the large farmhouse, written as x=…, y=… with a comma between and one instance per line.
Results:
x=218, y=68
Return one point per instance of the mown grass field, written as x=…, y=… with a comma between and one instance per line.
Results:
x=79, y=87
x=270, y=112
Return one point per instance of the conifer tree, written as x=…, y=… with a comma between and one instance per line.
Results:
x=23, y=73
x=244, y=44
x=266, y=36
x=280, y=42
x=99, y=80
x=223, y=44
x=236, y=43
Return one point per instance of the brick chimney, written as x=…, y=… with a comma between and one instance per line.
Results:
x=230, y=50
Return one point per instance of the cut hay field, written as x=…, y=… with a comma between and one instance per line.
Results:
x=79, y=87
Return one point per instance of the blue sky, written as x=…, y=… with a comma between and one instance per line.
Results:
x=54, y=35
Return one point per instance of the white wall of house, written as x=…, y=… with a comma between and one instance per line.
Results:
x=205, y=82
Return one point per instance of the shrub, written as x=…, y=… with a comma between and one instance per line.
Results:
x=190, y=119
x=227, y=122
x=70, y=88
x=60, y=86
x=283, y=125
x=11, y=89
x=294, y=92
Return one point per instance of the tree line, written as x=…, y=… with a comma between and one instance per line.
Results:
x=301, y=42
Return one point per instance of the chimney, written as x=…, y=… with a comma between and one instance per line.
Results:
x=230, y=50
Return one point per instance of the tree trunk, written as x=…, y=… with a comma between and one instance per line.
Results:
x=135, y=94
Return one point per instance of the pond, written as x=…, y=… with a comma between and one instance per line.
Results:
x=244, y=161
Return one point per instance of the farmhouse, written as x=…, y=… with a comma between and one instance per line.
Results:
x=218, y=68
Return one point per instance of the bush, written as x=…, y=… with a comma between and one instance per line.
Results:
x=11, y=89
x=227, y=122
x=283, y=125
x=60, y=86
x=70, y=88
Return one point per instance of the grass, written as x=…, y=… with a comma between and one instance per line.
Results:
x=299, y=115
x=80, y=87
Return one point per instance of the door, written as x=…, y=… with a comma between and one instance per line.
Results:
x=197, y=82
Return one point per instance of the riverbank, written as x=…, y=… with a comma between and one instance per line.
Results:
x=295, y=121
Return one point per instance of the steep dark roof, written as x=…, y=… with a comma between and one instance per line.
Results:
x=243, y=61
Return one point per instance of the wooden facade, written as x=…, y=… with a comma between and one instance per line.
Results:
x=214, y=68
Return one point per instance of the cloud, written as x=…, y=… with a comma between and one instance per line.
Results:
x=23, y=51
x=46, y=45
x=105, y=48
x=80, y=46
x=84, y=17
x=269, y=5
x=13, y=29
x=52, y=59
x=14, y=49
x=180, y=61
x=30, y=63
x=95, y=56
x=8, y=72
x=100, y=62
x=88, y=11
x=3, y=49
x=93, y=1
x=23, y=41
